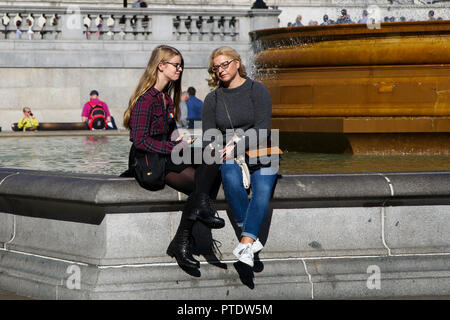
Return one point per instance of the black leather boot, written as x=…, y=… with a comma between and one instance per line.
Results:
x=200, y=208
x=180, y=247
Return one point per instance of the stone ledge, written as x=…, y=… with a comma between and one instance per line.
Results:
x=320, y=237
x=96, y=195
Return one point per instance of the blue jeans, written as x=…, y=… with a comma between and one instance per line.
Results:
x=248, y=215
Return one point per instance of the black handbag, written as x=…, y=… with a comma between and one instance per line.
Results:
x=149, y=168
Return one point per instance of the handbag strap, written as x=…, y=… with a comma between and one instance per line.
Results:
x=235, y=138
x=226, y=109
x=240, y=160
x=225, y=104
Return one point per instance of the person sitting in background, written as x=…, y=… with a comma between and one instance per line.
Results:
x=28, y=122
x=431, y=15
x=326, y=21
x=97, y=110
x=298, y=21
x=30, y=31
x=365, y=17
x=140, y=4
x=18, y=31
x=344, y=18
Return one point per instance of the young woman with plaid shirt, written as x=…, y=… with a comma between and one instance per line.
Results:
x=159, y=88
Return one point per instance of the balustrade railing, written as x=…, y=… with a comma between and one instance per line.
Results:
x=54, y=23
x=207, y=28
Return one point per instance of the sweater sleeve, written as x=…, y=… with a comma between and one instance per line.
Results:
x=263, y=114
x=209, y=120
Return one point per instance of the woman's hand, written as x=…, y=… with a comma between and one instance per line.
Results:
x=190, y=140
x=227, y=152
x=187, y=141
x=180, y=137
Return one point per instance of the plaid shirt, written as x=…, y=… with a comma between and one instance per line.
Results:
x=147, y=121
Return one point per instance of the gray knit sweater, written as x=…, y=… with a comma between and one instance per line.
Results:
x=249, y=107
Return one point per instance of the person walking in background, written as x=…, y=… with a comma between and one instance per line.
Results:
x=96, y=113
x=151, y=118
x=239, y=103
x=194, y=108
x=27, y=122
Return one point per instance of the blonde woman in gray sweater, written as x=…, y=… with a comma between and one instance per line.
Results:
x=241, y=109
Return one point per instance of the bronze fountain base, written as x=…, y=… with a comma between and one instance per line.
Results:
x=350, y=88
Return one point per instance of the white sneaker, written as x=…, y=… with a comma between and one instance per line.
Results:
x=238, y=250
x=257, y=246
x=246, y=254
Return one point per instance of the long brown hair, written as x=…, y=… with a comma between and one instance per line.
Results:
x=148, y=80
x=214, y=81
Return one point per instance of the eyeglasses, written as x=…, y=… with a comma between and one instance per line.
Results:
x=177, y=66
x=28, y=111
x=223, y=65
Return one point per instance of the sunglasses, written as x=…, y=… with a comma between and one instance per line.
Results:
x=177, y=66
x=223, y=65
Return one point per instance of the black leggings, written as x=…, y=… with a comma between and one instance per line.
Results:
x=182, y=181
x=203, y=179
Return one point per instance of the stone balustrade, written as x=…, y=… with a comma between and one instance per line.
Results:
x=73, y=55
x=54, y=23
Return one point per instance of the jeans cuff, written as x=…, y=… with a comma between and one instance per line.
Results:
x=250, y=235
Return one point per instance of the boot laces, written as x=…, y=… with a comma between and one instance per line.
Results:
x=216, y=244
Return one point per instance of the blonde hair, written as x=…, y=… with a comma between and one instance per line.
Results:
x=214, y=81
x=148, y=79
